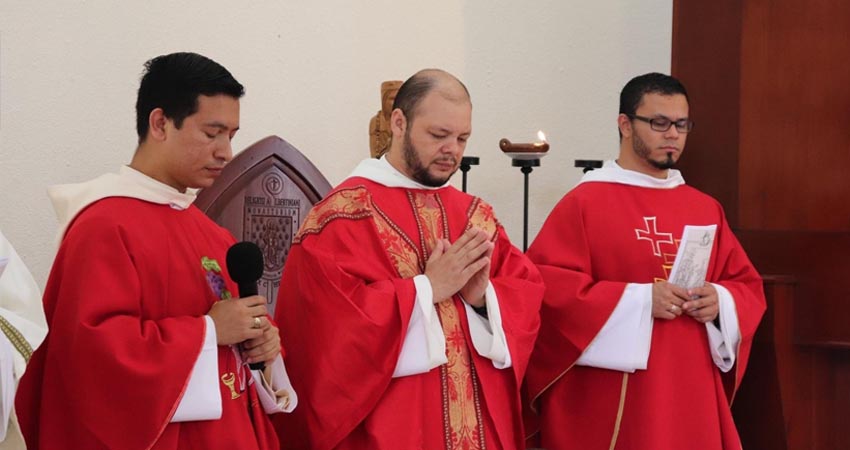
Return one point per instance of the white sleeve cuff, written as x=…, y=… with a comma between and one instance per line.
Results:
x=7, y=384
x=624, y=341
x=488, y=336
x=424, y=346
x=723, y=343
x=279, y=395
x=202, y=398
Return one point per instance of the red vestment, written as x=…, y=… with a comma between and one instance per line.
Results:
x=601, y=236
x=125, y=304
x=345, y=301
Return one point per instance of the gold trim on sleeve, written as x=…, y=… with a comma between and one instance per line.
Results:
x=16, y=338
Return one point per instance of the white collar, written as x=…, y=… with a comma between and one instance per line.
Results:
x=69, y=199
x=382, y=172
x=611, y=172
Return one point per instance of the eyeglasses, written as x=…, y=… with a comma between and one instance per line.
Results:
x=664, y=124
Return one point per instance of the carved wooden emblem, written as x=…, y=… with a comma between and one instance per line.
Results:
x=263, y=196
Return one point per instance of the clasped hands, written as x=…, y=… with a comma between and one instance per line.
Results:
x=462, y=267
x=245, y=321
x=670, y=301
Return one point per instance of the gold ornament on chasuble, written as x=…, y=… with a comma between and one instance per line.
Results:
x=354, y=203
x=480, y=215
x=464, y=427
x=461, y=405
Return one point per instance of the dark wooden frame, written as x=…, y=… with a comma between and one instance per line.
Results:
x=271, y=150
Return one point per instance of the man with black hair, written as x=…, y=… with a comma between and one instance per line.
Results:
x=147, y=346
x=626, y=359
x=408, y=315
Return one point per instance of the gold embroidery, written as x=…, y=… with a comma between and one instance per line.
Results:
x=16, y=338
x=464, y=429
x=400, y=248
x=481, y=216
x=463, y=418
x=463, y=425
x=351, y=203
x=229, y=379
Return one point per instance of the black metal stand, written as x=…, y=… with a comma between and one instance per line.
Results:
x=466, y=164
x=588, y=164
x=526, y=166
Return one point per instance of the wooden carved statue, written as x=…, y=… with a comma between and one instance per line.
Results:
x=380, y=134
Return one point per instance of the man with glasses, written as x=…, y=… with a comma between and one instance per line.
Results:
x=625, y=359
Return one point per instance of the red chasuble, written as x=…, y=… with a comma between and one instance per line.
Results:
x=345, y=301
x=125, y=304
x=599, y=237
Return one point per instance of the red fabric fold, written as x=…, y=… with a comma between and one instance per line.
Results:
x=125, y=303
x=344, y=311
x=587, y=251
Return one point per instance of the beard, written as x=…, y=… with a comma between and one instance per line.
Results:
x=642, y=150
x=419, y=171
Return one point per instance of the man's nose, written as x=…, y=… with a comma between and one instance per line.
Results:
x=672, y=132
x=453, y=146
x=225, y=151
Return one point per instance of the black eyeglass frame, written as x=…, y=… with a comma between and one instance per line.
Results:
x=663, y=124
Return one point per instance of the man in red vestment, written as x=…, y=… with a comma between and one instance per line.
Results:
x=625, y=359
x=408, y=315
x=146, y=346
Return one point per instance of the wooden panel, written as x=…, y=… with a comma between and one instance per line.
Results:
x=263, y=196
x=795, y=111
x=773, y=408
x=780, y=70
x=704, y=35
x=820, y=264
x=833, y=420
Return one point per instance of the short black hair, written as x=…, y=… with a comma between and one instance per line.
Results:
x=173, y=82
x=414, y=89
x=650, y=83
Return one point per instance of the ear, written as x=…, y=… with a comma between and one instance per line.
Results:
x=157, y=124
x=625, y=125
x=398, y=123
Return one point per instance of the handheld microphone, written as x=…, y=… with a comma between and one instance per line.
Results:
x=245, y=266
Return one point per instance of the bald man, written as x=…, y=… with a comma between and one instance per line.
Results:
x=409, y=315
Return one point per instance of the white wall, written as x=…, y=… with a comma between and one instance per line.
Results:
x=69, y=71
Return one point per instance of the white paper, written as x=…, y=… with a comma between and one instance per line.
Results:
x=693, y=256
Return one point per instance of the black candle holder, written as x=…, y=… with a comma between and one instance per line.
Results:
x=588, y=164
x=466, y=164
x=526, y=157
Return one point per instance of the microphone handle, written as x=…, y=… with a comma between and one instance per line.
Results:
x=249, y=290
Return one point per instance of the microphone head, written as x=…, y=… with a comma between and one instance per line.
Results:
x=245, y=262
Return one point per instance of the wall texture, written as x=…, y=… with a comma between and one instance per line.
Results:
x=69, y=71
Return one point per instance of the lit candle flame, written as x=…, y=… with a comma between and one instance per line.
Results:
x=541, y=136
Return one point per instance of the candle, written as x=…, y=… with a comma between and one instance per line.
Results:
x=533, y=147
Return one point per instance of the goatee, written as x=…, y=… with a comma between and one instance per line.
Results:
x=640, y=148
x=664, y=165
